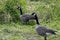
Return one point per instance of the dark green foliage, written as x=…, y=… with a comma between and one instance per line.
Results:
x=10, y=12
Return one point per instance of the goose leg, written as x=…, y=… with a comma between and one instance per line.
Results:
x=45, y=37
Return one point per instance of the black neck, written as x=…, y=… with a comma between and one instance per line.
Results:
x=21, y=11
x=37, y=22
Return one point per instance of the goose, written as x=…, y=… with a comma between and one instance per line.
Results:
x=26, y=17
x=42, y=30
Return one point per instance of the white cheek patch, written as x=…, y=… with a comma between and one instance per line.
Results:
x=34, y=14
x=37, y=26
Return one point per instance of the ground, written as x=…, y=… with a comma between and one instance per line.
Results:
x=15, y=31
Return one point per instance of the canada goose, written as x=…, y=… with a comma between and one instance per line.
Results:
x=26, y=17
x=42, y=30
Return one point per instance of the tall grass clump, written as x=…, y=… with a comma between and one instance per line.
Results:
x=9, y=12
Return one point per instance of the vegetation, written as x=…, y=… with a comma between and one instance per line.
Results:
x=11, y=28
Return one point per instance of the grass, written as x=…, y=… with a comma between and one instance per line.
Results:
x=15, y=31
x=26, y=32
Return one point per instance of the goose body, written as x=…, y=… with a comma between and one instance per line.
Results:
x=43, y=30
x=26, y=18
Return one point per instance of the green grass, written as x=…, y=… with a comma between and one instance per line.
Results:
x=26, y=32
x=15, y=31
